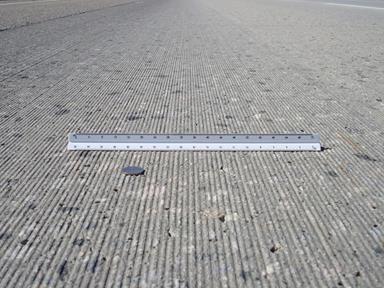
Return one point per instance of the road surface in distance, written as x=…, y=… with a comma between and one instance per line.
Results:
x=195, y=219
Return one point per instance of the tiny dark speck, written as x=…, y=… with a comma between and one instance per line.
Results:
x=379, y=250
x=365, y=157
x=84, y=153
x=24, y=242
x=5, y=236
x=62, y=112
x=332, y=173
x=325, y=148
x=133, y=118
x=68, y=209
x=340, y=283
x=357, y=274
x=222, y=218
x=96, y=263
x=243, y=275
x=78, y=242
x=63, y=270
x=274, y=248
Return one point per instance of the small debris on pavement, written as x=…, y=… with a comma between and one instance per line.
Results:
x=133, y=170
x=275, y=247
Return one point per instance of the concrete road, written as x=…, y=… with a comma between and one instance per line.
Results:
x=200, y=219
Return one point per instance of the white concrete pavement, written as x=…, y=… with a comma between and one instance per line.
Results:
x=195, y=219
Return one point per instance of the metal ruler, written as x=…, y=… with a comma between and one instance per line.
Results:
x=195, y=142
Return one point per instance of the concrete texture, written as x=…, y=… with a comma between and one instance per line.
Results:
x=26, y=12
x=194, y=219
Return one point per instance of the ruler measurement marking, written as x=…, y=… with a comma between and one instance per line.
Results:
x=203, y=142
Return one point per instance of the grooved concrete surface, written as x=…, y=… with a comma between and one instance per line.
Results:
x=16, y=13
x=194, y=219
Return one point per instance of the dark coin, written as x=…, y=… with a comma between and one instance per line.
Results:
x=133, y=170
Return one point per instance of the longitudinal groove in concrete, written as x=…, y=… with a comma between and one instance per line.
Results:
x=195, y=219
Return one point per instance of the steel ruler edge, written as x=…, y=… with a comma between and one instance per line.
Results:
x=195, y=142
